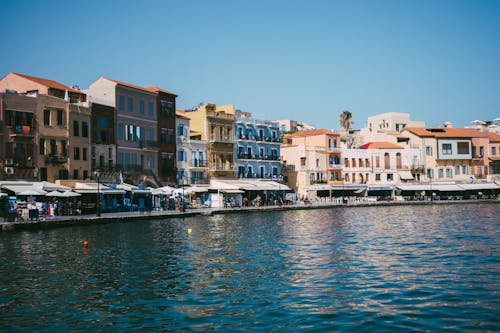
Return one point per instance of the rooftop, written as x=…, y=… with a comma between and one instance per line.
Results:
x=380, y=145
x=446, y=132
x=49, y=83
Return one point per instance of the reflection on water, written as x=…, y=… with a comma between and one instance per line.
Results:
x=422, y=268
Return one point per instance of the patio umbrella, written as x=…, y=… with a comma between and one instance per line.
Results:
x=54, y=194
x=70, y=194
x=30, y=193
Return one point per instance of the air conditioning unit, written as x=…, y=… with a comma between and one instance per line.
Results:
x=9, y=161
x=9, y=170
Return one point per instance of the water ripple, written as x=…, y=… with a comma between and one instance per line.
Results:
x=374, y=269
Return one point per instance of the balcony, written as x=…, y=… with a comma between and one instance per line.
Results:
x=335, y=166
x=56, y=159
x=21, y=131
x=258, y=176
x=199, y=164
x=225, y=139
x=318, y=181
x=258, y=157
x=334, y=150
x=258, y=138
x=222, y=167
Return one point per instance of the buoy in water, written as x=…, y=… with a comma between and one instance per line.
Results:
x=85, y=244
x=190, y=231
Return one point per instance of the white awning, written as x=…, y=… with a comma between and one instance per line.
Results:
x=24, y=189
x=405, y=175
x=414, y=187
x=446, y=188
x=480, y=186
x=232, y=191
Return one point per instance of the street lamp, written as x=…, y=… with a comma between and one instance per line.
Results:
x=98, y=203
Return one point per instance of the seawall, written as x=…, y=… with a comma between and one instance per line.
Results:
x=121, y=217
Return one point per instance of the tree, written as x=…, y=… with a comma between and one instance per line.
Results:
x=346, y=122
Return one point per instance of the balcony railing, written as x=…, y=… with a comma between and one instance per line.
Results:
x=199, y=164
x=258, y=138
x=225, y=139
x=21, y=130
x=258, y=176
x=56, y=159
x=317, y=181
x=335, y=166
x=334, y=149
x=258, y=157
x=222, y=167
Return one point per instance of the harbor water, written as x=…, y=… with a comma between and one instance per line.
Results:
x=429, y=268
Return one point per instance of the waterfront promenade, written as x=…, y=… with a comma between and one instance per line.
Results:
x=120, y=217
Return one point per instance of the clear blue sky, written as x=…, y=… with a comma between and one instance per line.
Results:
x=302, y=60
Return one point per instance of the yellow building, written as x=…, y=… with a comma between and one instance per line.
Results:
x=216, y=125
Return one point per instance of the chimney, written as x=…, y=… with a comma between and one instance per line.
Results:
x=447, y=124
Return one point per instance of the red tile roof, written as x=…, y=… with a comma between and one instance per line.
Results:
x=443, y=132
x=49, y=83
x=158, y=89
x=312, y=133
x=380, y=145
x=493, y=137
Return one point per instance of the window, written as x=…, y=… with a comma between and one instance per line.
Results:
x=430, y=173
x=63, y=148
x=353, y=162
x=150, y=108
x=377, y=177
x=151, y=134
x=163, y=135
x=84, y=154
x=85, y=129
x=46, y=117
x=440, y=173
x=75, y=174
x=121, y=103
x=463, y=148
x=130, y=103
x=41, y=146
x=76, y=128
x=120, y=131
x=59, y=117
x=457, y=169
x=493, y=150
x=180, y=155
x=449, y=173
x=465, y=170
x=346, y=162
x=76, y=153
x=390, y=176
x=302, y=161
x=102, y=122
x=428, y=150
x=377, y=161
x=481, y=151
x=317, y=163
x=142, y=107
x=180, y=130
x=446, y=148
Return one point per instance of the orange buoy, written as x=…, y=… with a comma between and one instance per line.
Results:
x=85, y=244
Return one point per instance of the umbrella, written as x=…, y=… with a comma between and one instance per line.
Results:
x=54, y=194
x=30, y=192
x=70, y=194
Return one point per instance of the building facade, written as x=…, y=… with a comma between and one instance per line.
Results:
x=311, y=158
x=165, y=110
x=136, y=125
x=103, y=150
x=216, y=126
x=257, y=147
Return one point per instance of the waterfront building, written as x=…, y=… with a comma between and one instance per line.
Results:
x=446, y=152
x=103, y=150
x=216, y=126
x=56, y=105
x=136, y=127
x=380, y=164
x=79, y=142
x=293, y=125
x=192, y=165
x=494, y=155
x=257, y=148
x=311, y=158
x=165, y=110
x=387, y=127
x=17, y=137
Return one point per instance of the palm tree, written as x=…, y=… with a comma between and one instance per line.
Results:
x=346, y=122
